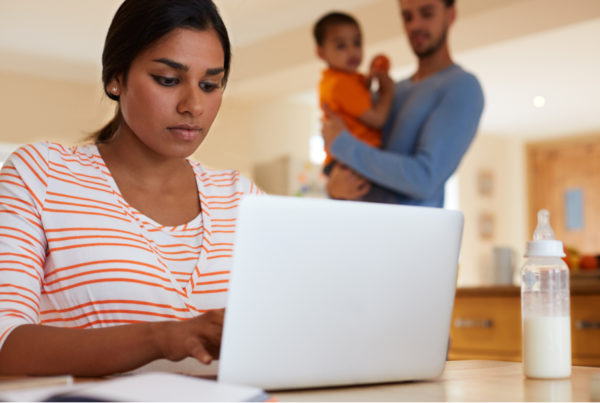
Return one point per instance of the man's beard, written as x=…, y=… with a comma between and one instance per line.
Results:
x=434, y=47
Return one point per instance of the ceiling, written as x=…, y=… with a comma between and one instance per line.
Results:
x=518, y=48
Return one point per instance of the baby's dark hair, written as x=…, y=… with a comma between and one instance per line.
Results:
x=448, y=3
x=329, y=20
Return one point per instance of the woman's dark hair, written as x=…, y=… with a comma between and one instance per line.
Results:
x=137, y=24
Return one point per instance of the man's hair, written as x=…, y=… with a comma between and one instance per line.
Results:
x=329, y=20
x=448, y=3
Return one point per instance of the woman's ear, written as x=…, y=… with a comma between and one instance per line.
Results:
x=113, y=87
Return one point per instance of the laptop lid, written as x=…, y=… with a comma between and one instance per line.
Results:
x=326, y=292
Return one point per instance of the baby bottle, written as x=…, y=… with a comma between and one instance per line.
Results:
x=545, y=314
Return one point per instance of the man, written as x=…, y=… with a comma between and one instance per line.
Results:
x=433, y=119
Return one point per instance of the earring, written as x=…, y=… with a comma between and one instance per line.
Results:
x=114, y=90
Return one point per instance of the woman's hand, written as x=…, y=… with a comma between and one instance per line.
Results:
x=333, y=125
x=344, y=183
x=199, y=337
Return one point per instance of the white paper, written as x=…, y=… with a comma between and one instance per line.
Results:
x=147, y=387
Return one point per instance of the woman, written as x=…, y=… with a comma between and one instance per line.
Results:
x=117, y=253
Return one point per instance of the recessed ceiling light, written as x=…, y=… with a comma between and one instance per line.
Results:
x=539, y=101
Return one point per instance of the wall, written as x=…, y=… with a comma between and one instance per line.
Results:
x=247, y=134
x=230, y=144
x=259, y=125
x=504, y=158
x=275, y=132
x=36, y=109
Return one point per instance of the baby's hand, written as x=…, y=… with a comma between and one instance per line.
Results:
x=380, y=63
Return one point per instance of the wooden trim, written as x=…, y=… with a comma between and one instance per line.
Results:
x=590, y=287
x=567, y=140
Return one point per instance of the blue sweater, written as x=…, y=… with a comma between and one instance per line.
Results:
x=430, y=127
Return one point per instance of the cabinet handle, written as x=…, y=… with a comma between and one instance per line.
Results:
x=587, y=324
x=465, y=322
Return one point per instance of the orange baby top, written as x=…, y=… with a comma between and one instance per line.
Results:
x=347, y=95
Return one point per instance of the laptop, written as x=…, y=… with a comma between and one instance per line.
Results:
x=331, y=293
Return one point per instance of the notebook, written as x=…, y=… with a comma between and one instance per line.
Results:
x=327, y=293
x=147, y=387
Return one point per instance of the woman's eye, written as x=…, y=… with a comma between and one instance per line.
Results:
x=208, y=86
x=166, y=81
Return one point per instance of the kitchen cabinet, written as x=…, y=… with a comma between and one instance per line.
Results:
x=486, y=324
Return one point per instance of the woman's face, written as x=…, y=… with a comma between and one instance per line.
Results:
x=173, y=92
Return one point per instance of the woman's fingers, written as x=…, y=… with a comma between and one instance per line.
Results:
x=198, y=337
x=195, y=348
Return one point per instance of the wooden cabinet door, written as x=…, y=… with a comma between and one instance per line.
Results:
x=585, y=329
x=557, y=170
x=486, y=327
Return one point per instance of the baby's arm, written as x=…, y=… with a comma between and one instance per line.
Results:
x=376, y=116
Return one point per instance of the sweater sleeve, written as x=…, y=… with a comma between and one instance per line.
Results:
x=23, y=181
x=445, y=137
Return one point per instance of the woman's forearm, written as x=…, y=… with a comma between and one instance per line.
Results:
x=46, y=350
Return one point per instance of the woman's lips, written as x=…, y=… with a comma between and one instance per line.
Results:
x=186, y=132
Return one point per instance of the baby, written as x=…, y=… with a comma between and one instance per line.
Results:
x=342, y=88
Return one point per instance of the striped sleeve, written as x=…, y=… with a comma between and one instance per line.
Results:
x=23, y=181
x=248, y=187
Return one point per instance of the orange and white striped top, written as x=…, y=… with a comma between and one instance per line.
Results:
x=74, y=253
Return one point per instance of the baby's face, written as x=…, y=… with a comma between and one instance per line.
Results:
x=342, y=48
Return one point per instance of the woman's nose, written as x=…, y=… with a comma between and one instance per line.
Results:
x=191, y=102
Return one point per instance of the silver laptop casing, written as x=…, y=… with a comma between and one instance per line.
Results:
x=326, y=293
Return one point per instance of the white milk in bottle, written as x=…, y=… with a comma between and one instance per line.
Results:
x=545, y=309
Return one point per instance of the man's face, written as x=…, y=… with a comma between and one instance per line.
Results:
x=426, y=23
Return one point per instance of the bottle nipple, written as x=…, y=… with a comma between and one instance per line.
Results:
x=543, y=231
x=543, y=243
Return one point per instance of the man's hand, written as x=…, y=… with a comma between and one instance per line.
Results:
x=344, y=183
x=333, y=125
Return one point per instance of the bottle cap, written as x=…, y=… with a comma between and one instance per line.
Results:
x=543, y=243
x=549, y=247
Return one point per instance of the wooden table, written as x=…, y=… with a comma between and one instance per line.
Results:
x=463, y=381
x=473, y=380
